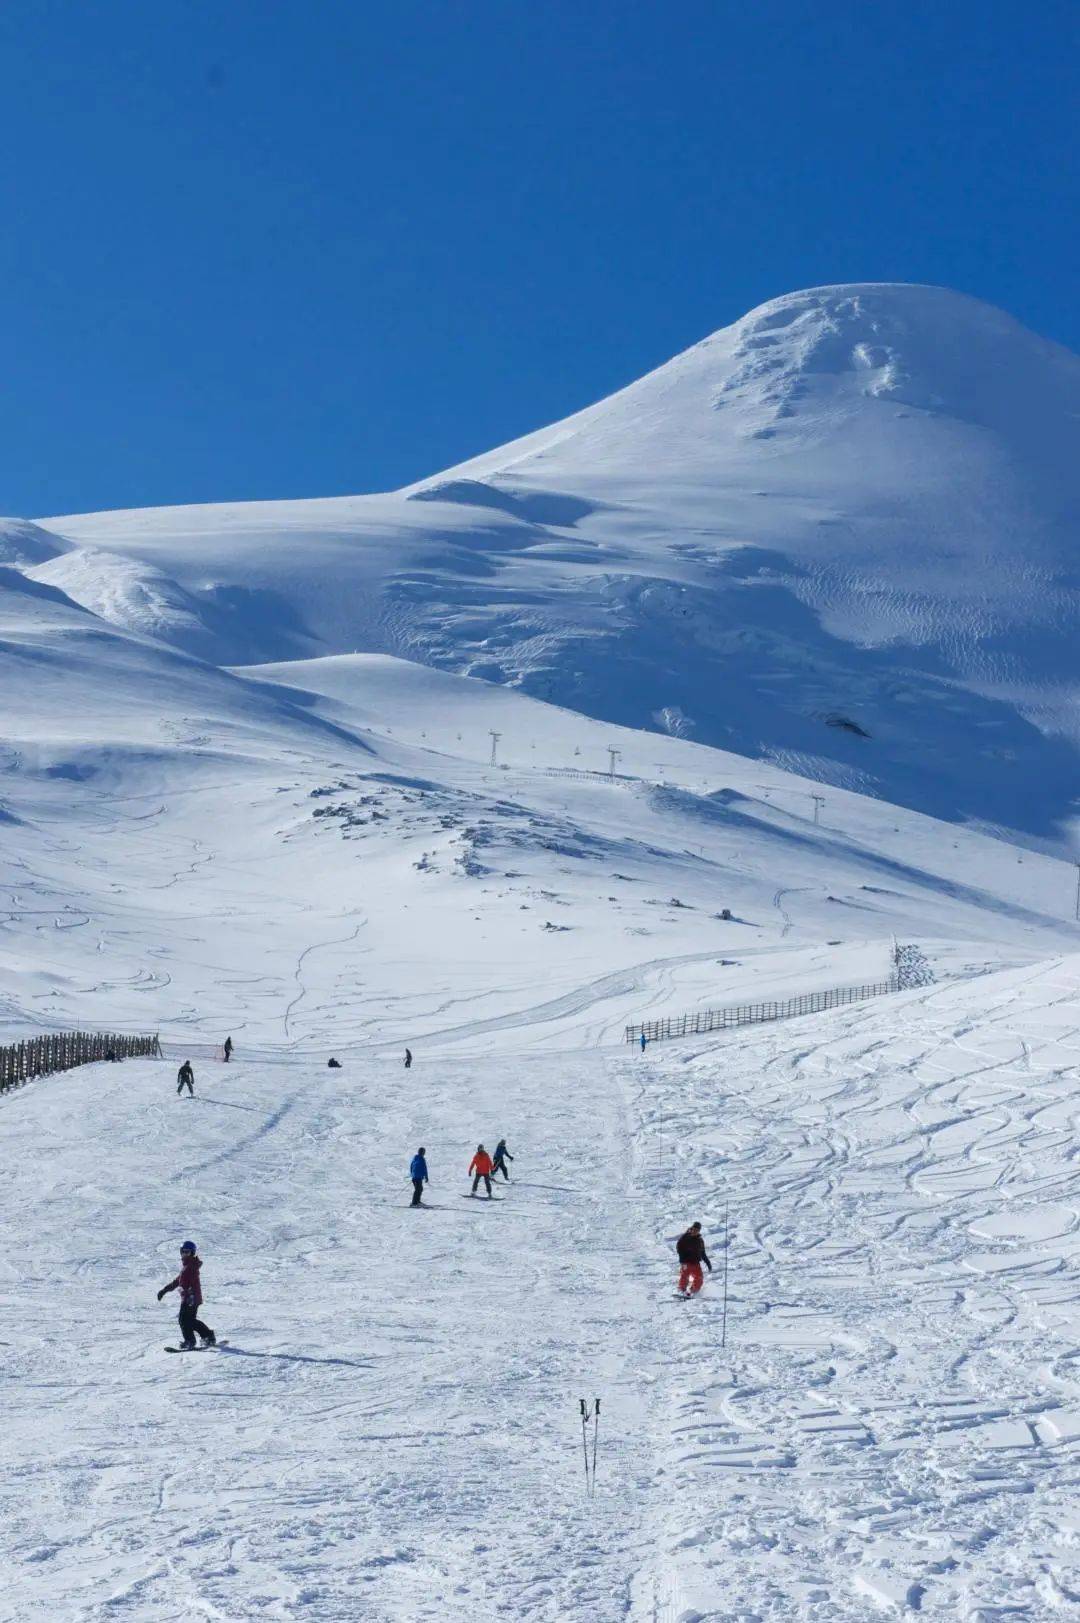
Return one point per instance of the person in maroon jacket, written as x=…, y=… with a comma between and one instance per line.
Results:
x=188, y=1284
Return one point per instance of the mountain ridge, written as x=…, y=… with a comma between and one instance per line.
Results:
x=839, y=534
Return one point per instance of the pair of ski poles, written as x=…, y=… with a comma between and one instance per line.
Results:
x=588, y=1414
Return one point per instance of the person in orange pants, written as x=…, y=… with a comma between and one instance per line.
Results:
x=481, y=1166
x=691, y=1253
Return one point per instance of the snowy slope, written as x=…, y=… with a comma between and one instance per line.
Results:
x=840, y=534
x=393, y=1433
x=246, y=787
x=321, y=854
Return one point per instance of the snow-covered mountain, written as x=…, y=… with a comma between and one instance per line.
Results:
x=249, y=783
x=839, y=535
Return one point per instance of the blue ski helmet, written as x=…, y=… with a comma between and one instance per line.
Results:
x=188, y=1245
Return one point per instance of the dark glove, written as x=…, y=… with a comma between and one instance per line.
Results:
x=160, y=1294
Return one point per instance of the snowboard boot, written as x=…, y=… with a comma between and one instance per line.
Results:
x=210, y=1340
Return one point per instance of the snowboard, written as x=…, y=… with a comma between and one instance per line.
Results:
x=484, y=1198
x=200, y=1348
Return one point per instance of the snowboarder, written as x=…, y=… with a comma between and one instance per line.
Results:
x=186, y=1074
x=333, y=1064
x=227, y=1050
x=644, y=1040
x=481, y=1166
x=408, y=1059
x=187, y=1283
x=691, y=1253
x=502, y=1155
x=419, y=1175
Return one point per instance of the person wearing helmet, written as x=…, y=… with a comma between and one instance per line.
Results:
x=185, y=1077
x=481, y=1166
x=188, y=1284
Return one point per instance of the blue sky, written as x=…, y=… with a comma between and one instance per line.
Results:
x=273, y=248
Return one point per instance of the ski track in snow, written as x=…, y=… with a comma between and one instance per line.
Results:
x=393, y=1433
x=895, y=1422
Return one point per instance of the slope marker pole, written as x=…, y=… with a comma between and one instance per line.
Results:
x=723, y=1326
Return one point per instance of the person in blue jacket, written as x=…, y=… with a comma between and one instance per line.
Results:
x=644, y=1040
x=418, y=1174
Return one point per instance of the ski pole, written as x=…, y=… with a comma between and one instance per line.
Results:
x=596, y=1428
x=584, y=1440
x=727, y=1242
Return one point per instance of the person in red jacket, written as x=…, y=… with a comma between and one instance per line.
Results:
x=690, y=1248
x=188, y=1284
x=481, y=1166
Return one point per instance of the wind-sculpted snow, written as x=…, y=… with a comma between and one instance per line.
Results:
x=838, y=535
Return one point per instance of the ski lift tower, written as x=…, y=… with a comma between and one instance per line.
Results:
x=613, y=756
x=494, y=747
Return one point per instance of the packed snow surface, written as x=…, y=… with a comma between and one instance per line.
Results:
x=393, y=1430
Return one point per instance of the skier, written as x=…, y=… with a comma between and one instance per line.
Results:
x=408, y=1059
x=502, y=1155
x=187, y=1283
x=418, y=1174
x=691, y=1252
x=227, y=1050
x=643, y=1042
x=186, y=1074
x=481, y=1166
x=333, y=1064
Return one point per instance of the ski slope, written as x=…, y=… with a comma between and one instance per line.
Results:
x=320, y=855
x=393, y=1433
x=711, y=694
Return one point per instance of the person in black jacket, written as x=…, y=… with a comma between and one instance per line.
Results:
x=691, y=1252
x=502, y=1155
x=185, y=1075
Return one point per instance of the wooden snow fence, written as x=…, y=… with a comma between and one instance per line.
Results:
x=63, y=1050
x=753, y=1014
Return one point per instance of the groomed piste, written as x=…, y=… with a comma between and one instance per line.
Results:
x=393, y=1430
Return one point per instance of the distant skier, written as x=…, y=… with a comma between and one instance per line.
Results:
x=333, y=1064
x=186, y=1074
x=644, y=1039
x=227, y=1050
x=419, y=1175
x=481, y=1166
x=502, y=1155
x=408, y=1059
x=691, y=1253
x=187, y=1282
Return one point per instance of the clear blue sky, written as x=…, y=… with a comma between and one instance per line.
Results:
x=258, y=248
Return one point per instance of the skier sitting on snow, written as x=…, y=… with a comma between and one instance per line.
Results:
x=186, y=1074
x=188, y=1284
x=691, y=1252
x=502, y=1155
x=481, y=1165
